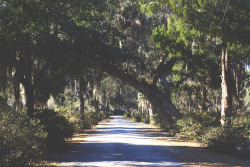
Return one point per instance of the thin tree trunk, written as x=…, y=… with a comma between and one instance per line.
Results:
x=29, y=92
x=151, y=111
x=17, y=94
x=204, y=97
x=27, y=81
x=81, y=103
x=238, y=79
x=226, y=99
x=96, y=105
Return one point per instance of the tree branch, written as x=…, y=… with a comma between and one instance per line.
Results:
x=163, y=69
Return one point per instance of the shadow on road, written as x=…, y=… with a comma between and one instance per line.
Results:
x=121, y=143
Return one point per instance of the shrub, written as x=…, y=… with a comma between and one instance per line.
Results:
x=159, y=121
x=156, y=120
x=227, y=139
x=190, y=128
x=58, y=127
x=103, y=115
x=146, y=119
x=194, y=125
x=93, y=118
x=86, y=124
x=127, y=114
x=137, y=117
x=22, y=139
x=231, y=138
x=73, y=115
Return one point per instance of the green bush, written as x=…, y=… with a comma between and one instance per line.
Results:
x=73, y=114
x=93, y=118
x=22, y=139
x=231, y=138
x=146, y=119
x=194, y=125
x=205, y=127
x=137, y=117
x=190, y=128
x=86, y=124
x=103, y=115
x=227, y=139
x=127, y=114
x=159, y=121
x=58, y=127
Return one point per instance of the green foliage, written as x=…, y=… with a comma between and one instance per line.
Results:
x=127, y=114
x=145, y=119
x=70, y=109
x=194, y=125
x=156, y=119
x=2, y=100
x=22, y=139
x=92, y=118
x=58, y=127
x=150, y=9
x=205, y=127
x=159, y=121
x=231, y=138
x=104, y=115
x=137, y=117
x=227, y=139
x=72, y=113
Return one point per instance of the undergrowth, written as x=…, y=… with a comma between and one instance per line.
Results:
x=205, y=127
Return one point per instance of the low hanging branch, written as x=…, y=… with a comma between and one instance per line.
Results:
x=157, y=98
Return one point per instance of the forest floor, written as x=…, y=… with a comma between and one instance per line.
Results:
x=190, y=154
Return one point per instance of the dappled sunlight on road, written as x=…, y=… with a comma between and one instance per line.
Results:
x=119, y=143
x=122, y=163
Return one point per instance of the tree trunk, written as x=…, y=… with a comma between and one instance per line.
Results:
x=27, y=81
x=238, y=80
x=81, y=103
x=29, y=92
x=17, y=94
x=157, y=98
x=95, y=103
x=226, y=99
x=204, y=97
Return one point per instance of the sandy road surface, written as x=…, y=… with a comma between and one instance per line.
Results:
x=119, y=143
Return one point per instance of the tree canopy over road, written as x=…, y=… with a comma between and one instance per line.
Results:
x=172, y=58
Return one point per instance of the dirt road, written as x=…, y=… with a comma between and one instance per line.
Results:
x=119, y=143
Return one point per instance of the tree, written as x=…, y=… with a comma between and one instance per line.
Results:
x=222, y=21
x=38, y=34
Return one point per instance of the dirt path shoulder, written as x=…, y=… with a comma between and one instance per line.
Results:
x=193, y=154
